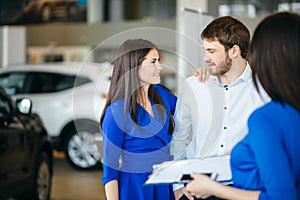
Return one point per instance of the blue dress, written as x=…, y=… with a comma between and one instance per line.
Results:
x=268, y=158
x=130, y=151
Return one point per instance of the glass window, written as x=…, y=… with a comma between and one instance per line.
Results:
x=13, y=83
x=39, y=82
x=53, y=82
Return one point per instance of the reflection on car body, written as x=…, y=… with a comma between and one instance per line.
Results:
x=25, y=152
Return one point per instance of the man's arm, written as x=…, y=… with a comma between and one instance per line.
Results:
x=182, y=133
x=183, y=123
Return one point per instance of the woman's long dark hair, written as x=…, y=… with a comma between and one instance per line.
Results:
x=125, y=83
x=275, y=59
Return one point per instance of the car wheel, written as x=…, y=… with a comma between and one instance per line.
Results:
x=81, y=148
x=41, y=187
x=47, y=13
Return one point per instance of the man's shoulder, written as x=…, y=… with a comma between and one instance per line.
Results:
x=193, y=80
x=192, y=85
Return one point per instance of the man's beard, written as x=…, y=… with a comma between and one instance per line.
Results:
x=223, y=67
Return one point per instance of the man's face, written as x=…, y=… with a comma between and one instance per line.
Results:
x=216, y=57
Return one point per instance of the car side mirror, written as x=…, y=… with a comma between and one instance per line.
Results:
x=24, y=106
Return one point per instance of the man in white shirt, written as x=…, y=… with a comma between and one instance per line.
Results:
x=211, y=117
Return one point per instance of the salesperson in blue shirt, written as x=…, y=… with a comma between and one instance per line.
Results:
x=137, y=124
x=266, y=163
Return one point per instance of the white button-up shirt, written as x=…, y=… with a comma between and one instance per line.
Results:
x=211, y=117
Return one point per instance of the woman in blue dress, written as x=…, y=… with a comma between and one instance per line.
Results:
x=266, y=163
x=137, y=124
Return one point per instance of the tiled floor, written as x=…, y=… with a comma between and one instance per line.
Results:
x=72, y=184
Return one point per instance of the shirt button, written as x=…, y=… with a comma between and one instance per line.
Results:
x=221, y=145
x=225, y=107
x=225, y=127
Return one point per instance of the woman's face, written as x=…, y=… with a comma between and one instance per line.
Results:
x=149, y=71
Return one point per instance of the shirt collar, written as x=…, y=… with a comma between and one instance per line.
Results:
x=245, y=76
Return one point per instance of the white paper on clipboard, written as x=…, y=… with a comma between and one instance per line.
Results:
x=172, y=171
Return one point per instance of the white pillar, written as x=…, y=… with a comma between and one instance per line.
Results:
x=12, y=45
x=116, y=10
x=94, y=11
x=190, y=21
x=193, y=4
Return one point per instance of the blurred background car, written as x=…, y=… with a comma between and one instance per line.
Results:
x=47, y=9
x=69, y=97
x=25, y=152
x=41, y=11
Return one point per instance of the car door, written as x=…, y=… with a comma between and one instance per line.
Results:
x=15, y=142
x=52, y=101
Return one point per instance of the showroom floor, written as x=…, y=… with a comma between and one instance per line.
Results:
x=72, y=184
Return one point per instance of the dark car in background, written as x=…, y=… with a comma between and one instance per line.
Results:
x=48, y=9
x=16, y=12
x=69, y=97
x=26, y=158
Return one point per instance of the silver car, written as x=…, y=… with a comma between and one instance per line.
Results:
x=69, y=97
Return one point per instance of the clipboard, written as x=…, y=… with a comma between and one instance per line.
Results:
x=177, y=171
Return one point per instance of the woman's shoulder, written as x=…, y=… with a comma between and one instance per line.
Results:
x=275, y=112
x=168, y=97
x=114, y=113
x=275, y=107
x=165, y=93
x=163, y=89
x=115, y=107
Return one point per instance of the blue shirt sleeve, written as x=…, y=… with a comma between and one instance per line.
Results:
x=113, y=140
x=265, y=140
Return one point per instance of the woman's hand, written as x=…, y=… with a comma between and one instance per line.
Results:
x=202, y=73
x=203, y=187
x=112, y=190
x=200, y=186
x=182, y=191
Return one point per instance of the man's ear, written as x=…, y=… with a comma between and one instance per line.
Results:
x=235, y=51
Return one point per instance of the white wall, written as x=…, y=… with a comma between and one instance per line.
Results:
x=190, y=23
x=12, y=45
x=200, y=5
